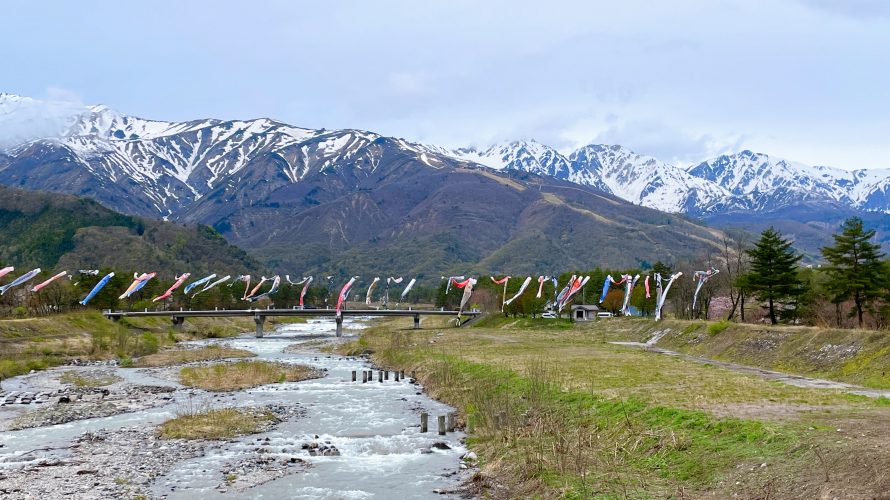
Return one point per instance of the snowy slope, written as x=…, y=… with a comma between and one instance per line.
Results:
x=172, y=165
x=768, y=183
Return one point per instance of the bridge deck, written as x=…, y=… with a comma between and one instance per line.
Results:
x=260, y=315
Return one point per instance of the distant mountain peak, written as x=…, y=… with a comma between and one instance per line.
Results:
x=176, y=163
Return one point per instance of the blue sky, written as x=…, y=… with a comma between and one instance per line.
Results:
x=807, y=80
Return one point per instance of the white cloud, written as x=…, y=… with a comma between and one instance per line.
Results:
x=24, y=119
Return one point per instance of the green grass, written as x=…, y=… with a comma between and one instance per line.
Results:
x=559, y=410
x=498, y=320
x=44, y=342
x=243, y=375
x=214, y=424
x=718, y=326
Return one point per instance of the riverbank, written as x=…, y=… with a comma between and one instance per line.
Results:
x=115, y=431
x=553, y=409
x=39, y=343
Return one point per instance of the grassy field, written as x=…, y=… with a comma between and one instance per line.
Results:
x=40, y=343
x=554, y=410
x=243, y=375
x=860, y=357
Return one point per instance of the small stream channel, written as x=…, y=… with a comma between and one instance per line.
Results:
x=375, y=426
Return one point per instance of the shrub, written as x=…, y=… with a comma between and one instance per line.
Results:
x=718, y=326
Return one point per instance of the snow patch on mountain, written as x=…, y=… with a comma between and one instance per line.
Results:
x=177, y=163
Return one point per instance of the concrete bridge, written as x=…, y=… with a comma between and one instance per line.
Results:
x=259, y=315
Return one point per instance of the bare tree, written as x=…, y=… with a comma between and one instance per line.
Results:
x=732, y=251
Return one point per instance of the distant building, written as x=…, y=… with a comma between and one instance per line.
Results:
x=584, y=312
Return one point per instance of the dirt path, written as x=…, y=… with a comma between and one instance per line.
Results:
x=795, y=380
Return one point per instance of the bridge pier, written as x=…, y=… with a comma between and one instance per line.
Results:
x=417, y=322
x=339, y=320
x=177, y=323
x=259, y=320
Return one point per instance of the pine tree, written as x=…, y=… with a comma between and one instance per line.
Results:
x=773, y=276
x=855, y=269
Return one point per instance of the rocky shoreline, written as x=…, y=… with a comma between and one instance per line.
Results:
x=79, y=404
x=123, y=463
x=134, y=461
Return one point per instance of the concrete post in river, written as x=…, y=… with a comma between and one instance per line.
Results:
x=424, y=417
x=259, y=320
x=339, y=320
x=441, y=425
x=450, y=423
x=353, y=375
x=417, y=322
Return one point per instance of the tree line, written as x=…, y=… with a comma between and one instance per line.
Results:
x=759, y=281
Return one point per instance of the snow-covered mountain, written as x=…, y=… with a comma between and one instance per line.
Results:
x=171, y=166
x=728, y=183
x=768, y=183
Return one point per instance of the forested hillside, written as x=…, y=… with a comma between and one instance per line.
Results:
x=59, y=231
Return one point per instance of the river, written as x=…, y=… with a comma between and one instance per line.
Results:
x=375, y=426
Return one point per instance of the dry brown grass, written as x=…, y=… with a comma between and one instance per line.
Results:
x=222, y=423
x=173, y=357
x=244, y=375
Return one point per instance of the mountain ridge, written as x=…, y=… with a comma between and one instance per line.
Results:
x=273, y=187
x=166, y=158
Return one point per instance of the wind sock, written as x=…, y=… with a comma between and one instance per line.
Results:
x=244, y=278
x=521, y=289
x=451, y=279
x=305, y=287
x=646, y=285
x=661, y=296
x=606, y=288
x=565, y=291
x=610, y=281
x=581, y=284
x=166, y=295
x=370, y=290
x=139, y=281
x=407, y=290
x=298, y=283
x=330, y=289
x=88, y=272
x=467, y=286
x=343, y=292
x=573, y=287
x=502, y=281
x=385, y=300
x=541, y=281
x=101, y=284
x=6, y=270
x=136, y=280
x=208, y=286
x=629, y=284
x=275, y=282
x=36, y=288
x=188, y=288
x=143, y=282
x=256, y=288
x=701, y=277
x=21, y=279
